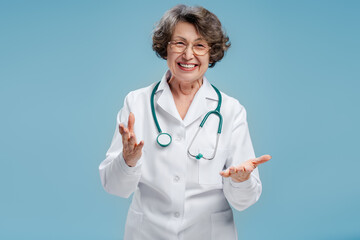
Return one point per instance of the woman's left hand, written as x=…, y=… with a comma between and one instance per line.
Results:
x=242, y=172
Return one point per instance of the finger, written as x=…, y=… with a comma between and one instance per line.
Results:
x=260, y=160
x=139, y=146
x=248, y=168
x=225, y=173
x=131, y=122
x=121, y=129
x=245, y=169
x=233, y=170
x=240, y=168
x=125, y=138
x=132, y=140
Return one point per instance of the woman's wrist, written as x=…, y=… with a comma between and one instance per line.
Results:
x=131, y=162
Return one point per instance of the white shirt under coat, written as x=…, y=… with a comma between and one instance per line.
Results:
x=175, y=196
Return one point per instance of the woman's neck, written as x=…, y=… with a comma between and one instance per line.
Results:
x=181, y=89
x=183, y=94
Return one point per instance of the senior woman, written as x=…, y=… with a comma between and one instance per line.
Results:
x=184, y=177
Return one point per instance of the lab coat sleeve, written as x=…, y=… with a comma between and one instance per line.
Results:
x=116, y=176
x=241, y=195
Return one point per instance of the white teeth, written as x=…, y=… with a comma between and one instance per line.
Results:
x=187, y=65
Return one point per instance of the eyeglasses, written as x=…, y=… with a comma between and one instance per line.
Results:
x=199, y=49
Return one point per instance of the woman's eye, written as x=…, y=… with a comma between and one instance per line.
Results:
x=179, y=43
x=200, y=45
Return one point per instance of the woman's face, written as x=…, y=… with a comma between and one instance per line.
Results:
x=187, y=67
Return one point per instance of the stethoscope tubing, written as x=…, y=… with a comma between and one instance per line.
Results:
x=216, y=112
x=153, y=107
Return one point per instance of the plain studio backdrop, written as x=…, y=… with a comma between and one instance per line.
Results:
x=66, y=66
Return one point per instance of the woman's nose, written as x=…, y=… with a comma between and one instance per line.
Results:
x=188, y=53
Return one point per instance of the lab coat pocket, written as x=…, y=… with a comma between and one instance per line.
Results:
x=133, y=225
x=209, y=169
x=222, y=226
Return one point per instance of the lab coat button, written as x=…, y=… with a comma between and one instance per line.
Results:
x=176, y=178
x=177, y=214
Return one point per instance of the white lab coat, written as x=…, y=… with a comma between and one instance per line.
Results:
x=177, y=197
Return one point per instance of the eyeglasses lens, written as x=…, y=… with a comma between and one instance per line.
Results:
x=198, y=49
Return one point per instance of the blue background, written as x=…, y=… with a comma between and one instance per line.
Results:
x=66, y=66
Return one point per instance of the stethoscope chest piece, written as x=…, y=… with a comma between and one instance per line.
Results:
x=164, y=139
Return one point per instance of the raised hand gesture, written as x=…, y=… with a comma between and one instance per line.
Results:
x=242, y=172
x=131, y=150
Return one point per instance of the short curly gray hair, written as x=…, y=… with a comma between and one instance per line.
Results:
x=206, y=24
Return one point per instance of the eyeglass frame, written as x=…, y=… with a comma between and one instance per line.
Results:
x=187, y=45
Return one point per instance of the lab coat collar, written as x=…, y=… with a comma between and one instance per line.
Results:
x=200, y=105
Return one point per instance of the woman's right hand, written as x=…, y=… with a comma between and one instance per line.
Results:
x=131, y=150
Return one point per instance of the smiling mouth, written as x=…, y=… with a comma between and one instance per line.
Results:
x=187, y=66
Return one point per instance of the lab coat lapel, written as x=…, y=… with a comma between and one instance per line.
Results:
x=166, y=100
x=204, y=101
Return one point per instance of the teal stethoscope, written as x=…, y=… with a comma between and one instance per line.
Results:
x=164, y=139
